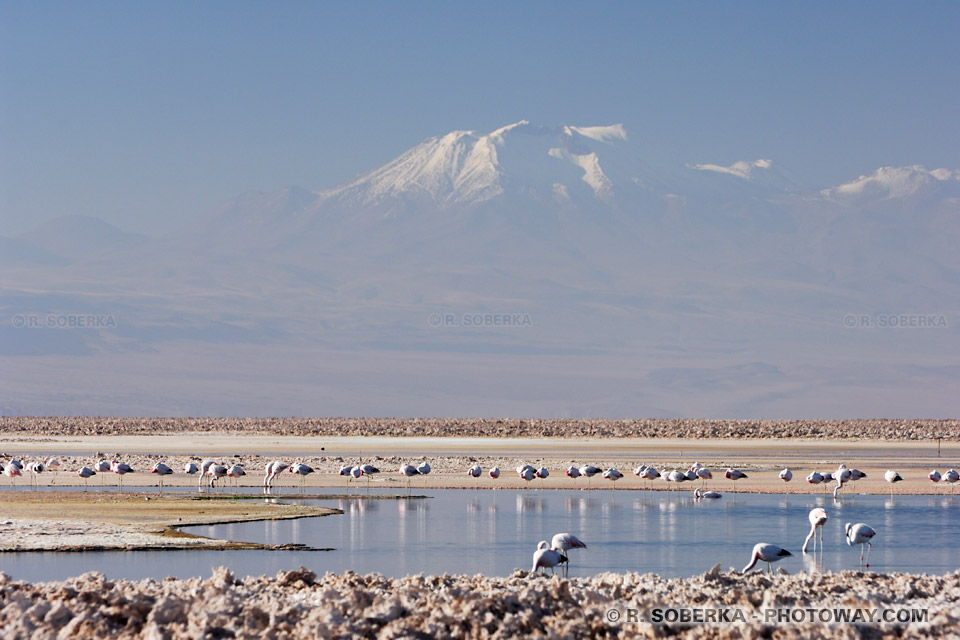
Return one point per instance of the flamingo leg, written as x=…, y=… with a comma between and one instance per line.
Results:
x=869, y=546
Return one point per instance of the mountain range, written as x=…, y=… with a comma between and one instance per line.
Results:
x=571, y=275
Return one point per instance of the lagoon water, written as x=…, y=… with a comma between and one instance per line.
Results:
x=494, y=532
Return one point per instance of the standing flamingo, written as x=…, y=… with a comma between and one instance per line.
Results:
x=842, y=477
x=302, y=470
x=216, y=471
x=542, y=473
x=860, y=534
x=36, y=469
x=236, y=472
x=572, y=472
x=409, y=471
x=494, y=472
x=648, y=473
x=951, y=476
x=102, y=467
x=786, y=475
x=704, y=474
x=12, y=471
x=273, y=471
x=768, y=553
x=563, y=542
x=612, y=474
x=527, y=473
x=545, y=557
x=53, y=464
x=85, y=473
x=735, y=474
x=161, y=470
x=818, y=517
x=190, y=468
x=475, y=472
x=588, y=470
x=934, y=476
x=892, y=477
x=205, y=471
x=121, y=469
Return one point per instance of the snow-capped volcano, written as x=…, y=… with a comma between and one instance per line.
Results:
x=463, y=168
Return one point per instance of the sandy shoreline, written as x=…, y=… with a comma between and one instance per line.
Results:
x=77, y=521
x=450, y=458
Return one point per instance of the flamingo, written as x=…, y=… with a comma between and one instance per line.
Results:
x=892, y=477
x=856, y=474
x=190, y=468
x=528, y=474
x=35, y=470
x=236, y=472
x=572, y=472
x=934, y=476
x=12, y=471
x=273, y=471
x=951, y=476
x=542, y=473
x=345, y=471
x=494, y=472
x=691, y=475
x=842, y=477
x=612, y=475
x=735, y=474
x=53, y=464
x=545, y=557
x=815, y=478
x=120, y=469
x=303, y=470
x=563, y=542
x=589, y=471
x=216, y=471
x=85, y=473
x=409, y=471
x=204, y=470
x=786, y=475
x=649, y=473
x=818, y=517
x=102, y=467
x=704, y=474
x=675, y=476
x=370, y=470
x=475, y=472
x=709, y=495
x=768, y=553
x=424, y=468
x=355, y=474
x=860, y=534
x=161, y=470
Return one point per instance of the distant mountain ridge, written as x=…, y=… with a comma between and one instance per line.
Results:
x=715, y=288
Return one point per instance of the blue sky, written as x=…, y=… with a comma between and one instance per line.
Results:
x=150, y=114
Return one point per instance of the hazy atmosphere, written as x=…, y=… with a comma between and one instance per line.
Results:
x=730, y=210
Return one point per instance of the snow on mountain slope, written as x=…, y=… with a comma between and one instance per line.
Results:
x=894, y=182
x=742, y=169
x=465, y=168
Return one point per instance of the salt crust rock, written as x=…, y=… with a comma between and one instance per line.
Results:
x=298, y=604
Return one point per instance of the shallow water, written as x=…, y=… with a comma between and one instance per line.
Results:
x=495, y=532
